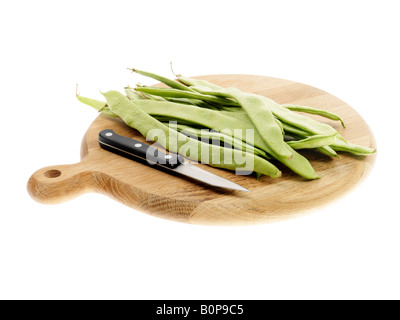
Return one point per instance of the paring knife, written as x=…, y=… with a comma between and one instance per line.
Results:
x=136, y=150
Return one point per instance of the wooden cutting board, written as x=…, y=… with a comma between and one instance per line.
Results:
x=173, y=197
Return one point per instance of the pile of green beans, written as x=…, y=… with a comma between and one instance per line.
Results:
x=196, y=112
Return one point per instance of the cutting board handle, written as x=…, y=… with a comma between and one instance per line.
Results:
x=60, y=183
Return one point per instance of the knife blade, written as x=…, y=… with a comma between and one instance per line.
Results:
x=146, y=154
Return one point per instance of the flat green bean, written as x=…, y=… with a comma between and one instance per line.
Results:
x=204, y=117
x=144, y=95
x=311, y=110
x=242, y=115
x=207, y=118
x=168, y=111
x=136, y=118
x=328, y=151
x=219, y=136
x=193, y=102
x=170, y=83
x=291, y=122
x=191, y=82
x=133, y=95
x=312, y=142
x=292, y=130
x=196, y=104
x=100, y=106
x=174, y=93
x=298, y=163
x=352, y=148
x=258, y=111
x=283, y=114
x=220, y=122
x=298, y=120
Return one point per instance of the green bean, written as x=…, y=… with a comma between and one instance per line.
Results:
x=193, y=102
x=233, y=108
x=298, y=164
x=198, y=83
x=211, y=119
x=205, y=117
x=219, y=136
x=283, y=114
x=168, y=82
x=177, y=85
x=167, y=119
x=300, y=134
x=311, y=110
x=133, y=95
x=352, y=148
x=328, y=151
x=259, y=113
x=136, y=118
x=152, y=97
x=292, y=130
x=174, y=93
x=298, y=120
x=257, y=109
x=201, y=104
x=315, y=141
x=100, y=106
x=291, y=122
x=280, y=125
x=218, y=121
x=242, y=115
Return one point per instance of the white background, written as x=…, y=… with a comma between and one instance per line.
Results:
x=95, y=248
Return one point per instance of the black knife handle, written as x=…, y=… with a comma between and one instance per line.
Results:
x=137, y=150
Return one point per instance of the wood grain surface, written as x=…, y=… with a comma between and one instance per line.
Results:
x=172, y=197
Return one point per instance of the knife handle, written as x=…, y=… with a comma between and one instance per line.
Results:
x=137, y=150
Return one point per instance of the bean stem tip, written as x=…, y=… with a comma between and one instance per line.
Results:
x=172, y=70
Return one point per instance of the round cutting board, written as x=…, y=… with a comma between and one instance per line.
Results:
x=173, y=197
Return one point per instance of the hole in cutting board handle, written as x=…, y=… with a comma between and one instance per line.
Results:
x=60, y=183
x=53, y=173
